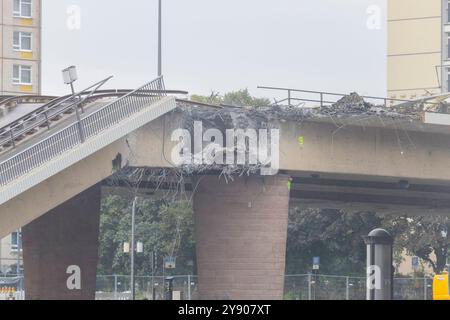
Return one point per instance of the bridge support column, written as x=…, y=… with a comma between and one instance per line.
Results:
x=241, y=231
x=61, y=250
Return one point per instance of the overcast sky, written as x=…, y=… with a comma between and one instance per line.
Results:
x=219, y=45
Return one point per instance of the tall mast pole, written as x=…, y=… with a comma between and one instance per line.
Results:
x=160, y=39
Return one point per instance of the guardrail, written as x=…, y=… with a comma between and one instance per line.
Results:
x=79, y=131
x=324, y=98
x=26, y=98
x=45, y=114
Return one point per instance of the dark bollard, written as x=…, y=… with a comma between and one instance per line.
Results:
x=379, y=265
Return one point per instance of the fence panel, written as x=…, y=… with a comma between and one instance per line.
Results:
x=297, y=287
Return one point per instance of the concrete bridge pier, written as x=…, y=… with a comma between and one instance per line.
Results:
x=241, y=230
x=60, y=250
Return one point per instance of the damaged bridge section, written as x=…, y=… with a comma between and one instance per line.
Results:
x=350, y=154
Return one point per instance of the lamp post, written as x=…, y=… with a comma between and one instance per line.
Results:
x=70, y=76
x=133, y=214
x=154, y=264
x=159, y=38
x=135, y=248
x=19, y=253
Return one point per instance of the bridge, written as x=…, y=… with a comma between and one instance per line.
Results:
x=56, y=156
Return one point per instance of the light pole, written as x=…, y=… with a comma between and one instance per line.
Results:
x=159, y=38
x=133, y=214
x=135, y=248
x=70, y=76
x=154, y=263
x=19, y=249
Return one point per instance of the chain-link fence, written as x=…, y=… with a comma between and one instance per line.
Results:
x=149, y=288
x=297, y=287
x=329, y=287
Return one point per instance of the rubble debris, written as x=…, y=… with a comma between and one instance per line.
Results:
x=349, y=109
x=351, y=103
x=349, y=106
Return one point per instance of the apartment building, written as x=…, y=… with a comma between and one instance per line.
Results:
x=20, y=69
x=418, y=48
x=20, y=47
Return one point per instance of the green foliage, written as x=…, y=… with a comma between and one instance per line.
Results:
x=334, y=235
x=425, y=237
x=166, y=228
x=240, y=98
x=214, y=98
x=289, y=296
x=337, y=237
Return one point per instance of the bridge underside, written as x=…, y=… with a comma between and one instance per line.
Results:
x=333, y=191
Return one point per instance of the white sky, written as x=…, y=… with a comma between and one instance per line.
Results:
x=219, y=45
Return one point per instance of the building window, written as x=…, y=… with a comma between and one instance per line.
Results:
x=448, y=20
x=22, y=41
x=21, y=74
x=448, y=80
x=22, y=8
x=15, y=238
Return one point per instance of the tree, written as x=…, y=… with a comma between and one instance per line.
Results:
x=166, y=228
x=334, y=235
x=240, y=98
x=213, y=98
x=425, y=237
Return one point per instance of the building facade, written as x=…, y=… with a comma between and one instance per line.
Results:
x=20, y=70
x=11, y=254
x=418, y=48
x=20, y=47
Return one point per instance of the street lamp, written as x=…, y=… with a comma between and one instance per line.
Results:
x=133, y=214
x=135, y=247
x=160, y=39
x=70, y=76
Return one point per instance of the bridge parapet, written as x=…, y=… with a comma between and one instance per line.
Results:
x=81, y=132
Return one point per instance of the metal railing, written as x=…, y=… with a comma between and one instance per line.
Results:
x=79, y=131
x=332, y=287
x=324, y=98
x=27, y=98
x=296, y=287
x=117, y=287
x=45, y=114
